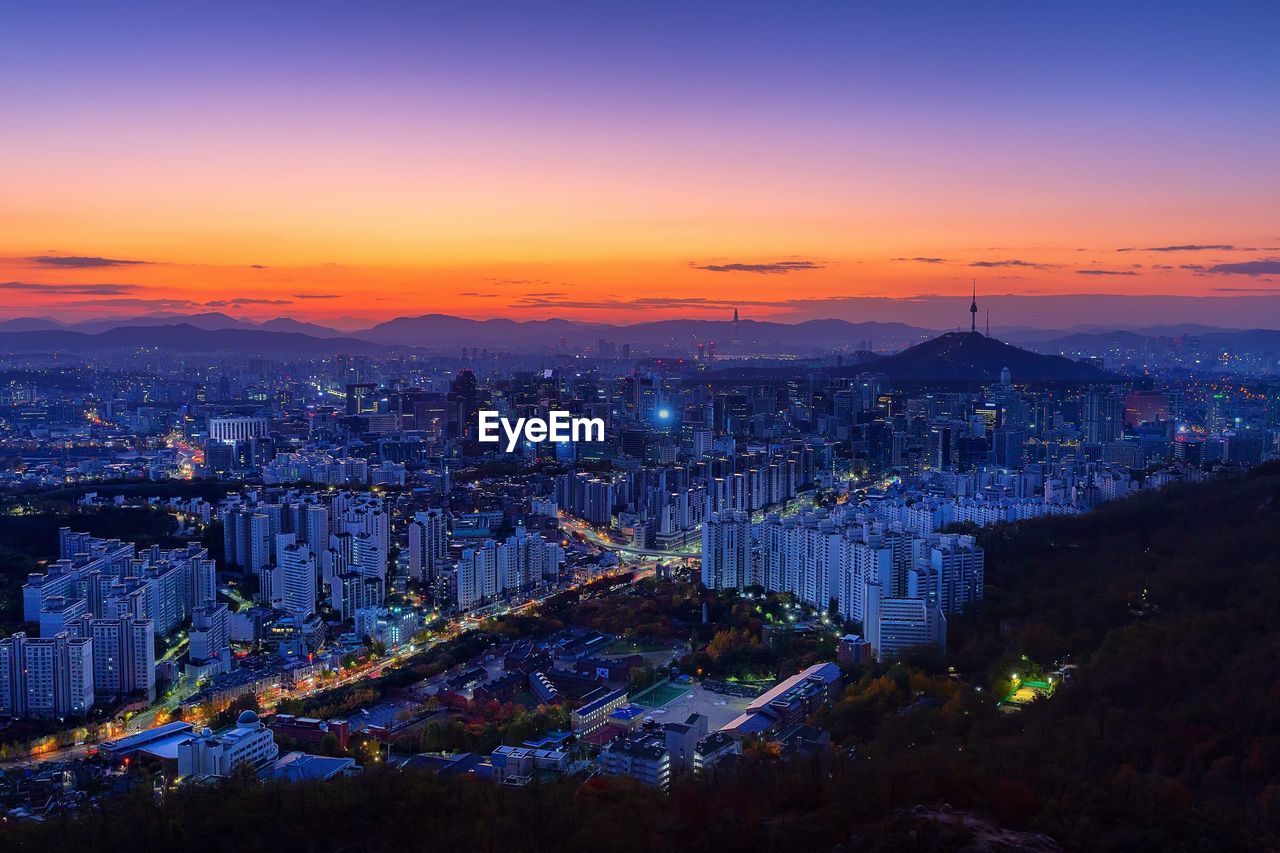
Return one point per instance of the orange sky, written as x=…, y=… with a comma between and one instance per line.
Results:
x=347, y=168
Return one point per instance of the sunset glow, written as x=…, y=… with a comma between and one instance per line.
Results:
x=625, y=165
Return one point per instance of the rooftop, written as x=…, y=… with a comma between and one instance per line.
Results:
x=304, y=767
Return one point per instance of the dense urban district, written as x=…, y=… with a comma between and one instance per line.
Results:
x=935, y=592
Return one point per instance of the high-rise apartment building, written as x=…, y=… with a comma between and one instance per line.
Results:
x=46, y=677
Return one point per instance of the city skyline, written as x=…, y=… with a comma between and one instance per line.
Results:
x=641, y=427
x=625, y=165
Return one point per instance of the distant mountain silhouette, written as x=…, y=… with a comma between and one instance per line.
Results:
x=444, y=332
x=29, y=324
x=974, y=357
x=181, y=337
x=1210, y=339
x=938, y=357
x=288, y=324
x=1250, y=340
x=1092, y=342
x=209, y=320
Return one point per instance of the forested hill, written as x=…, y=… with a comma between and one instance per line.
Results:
x=1168, y=738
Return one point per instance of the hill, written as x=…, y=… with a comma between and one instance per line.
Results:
x=288, y=324
x=445, y=332
x=208, y=320
x=28, y=324
x=974, y=357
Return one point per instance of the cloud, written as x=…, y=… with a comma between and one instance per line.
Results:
x=1187, y=247
x=1014, y=262
x=1271, y=266
x=315, y=296
x=81, y=262
x=130, y=302
x=70, y=289
x=225, y=303
x=478, y=295
x=1247, y=289
x=924, y=260
x=257, y=266
x=644, y=303
x=1105, y=272
x=774, y=268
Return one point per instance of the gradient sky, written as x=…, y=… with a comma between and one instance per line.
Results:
x=346, y=163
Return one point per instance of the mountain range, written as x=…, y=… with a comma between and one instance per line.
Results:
x=215, y=331
x=180, y=337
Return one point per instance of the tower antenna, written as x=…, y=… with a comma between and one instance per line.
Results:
x=973, y=309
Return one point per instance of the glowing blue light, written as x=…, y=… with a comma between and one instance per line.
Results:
x=664, y=413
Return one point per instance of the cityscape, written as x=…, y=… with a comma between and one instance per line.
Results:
x=462, y=454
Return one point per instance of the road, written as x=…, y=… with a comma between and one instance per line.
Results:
x=589, y=533
x=800, y=502
x=372, y=669
x=456, y=626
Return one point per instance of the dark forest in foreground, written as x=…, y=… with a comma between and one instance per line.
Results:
x=1169, y=738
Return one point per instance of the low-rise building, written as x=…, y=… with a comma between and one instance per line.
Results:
x=523, y=761
x=789, y=702
x=713, y=749
x=209, y=754
x=595, y=709
x=642, y=756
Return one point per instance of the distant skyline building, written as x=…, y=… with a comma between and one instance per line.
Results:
x=238, y=428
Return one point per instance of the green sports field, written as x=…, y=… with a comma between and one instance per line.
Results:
x=659, y=694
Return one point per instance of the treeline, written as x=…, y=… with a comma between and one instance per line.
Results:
x=345, y=700
x=29, y=538
x=485, y=730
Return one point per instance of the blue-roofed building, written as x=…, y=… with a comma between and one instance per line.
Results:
x=628, y=716
x=551, y=740
x=304, y=767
